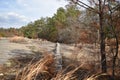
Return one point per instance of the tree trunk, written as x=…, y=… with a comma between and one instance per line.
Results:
x=116, y=40
x=116, y=51
x=102, y=42
x=102, y=51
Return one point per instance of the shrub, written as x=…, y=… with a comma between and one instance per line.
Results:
x=18, y=39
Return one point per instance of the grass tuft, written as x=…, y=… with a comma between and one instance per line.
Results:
x=43, y=69
x=18, y=39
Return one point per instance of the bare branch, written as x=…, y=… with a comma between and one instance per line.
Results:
x=82, y=4
x=104, y=4
x=116, y=7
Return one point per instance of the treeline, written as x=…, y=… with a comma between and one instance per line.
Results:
x=9, y=32
x=62, y=27
x=67, y=25
x=57, y=28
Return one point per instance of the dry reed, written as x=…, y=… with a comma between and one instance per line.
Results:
x=41, y=70
x=72, y=73
x=45, y=69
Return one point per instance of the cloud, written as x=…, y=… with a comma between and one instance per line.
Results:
x=31, y=10
x=15, y=16
x=22, y=2
x=40, y=8
x=12, y=19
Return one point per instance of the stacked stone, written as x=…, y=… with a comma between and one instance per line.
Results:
x=58, y=57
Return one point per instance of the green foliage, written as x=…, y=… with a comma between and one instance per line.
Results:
x=48, y=31
x=50, y=27
x=64, y=26
x=72, y=11
x=60, y=18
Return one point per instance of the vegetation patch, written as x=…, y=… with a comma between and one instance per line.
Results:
x=18, y=39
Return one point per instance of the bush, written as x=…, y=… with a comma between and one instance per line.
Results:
x=18, y=39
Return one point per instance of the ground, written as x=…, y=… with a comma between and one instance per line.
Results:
x=10, y=49
x=17, y=54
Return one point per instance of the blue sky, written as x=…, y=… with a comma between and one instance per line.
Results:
x=17, y=13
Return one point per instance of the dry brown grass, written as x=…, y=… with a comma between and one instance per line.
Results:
x=44, y=69
x=101, y=76
x=17, y=39
x=72, y=73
